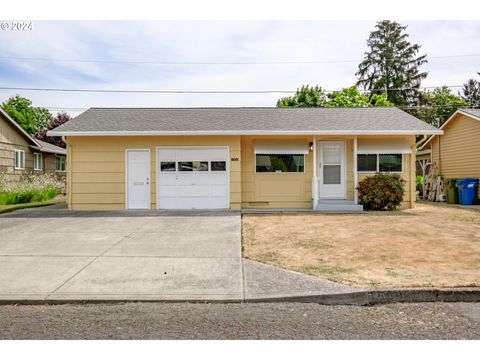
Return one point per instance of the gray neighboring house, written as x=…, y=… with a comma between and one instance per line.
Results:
x=21, y=154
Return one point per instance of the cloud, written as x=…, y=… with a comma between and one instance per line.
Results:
x=211, y=41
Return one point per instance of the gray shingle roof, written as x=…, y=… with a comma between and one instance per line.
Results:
x=243, y=120
x=474, y=112
x=50, y=148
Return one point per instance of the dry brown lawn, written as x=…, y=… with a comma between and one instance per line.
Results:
x=431, y=245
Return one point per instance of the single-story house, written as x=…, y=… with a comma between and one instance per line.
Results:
x=22, y=154
x=456, y=152
x=235, y=158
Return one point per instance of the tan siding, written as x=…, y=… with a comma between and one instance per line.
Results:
x=272, y=190
x=457, y=151
x=97, y=167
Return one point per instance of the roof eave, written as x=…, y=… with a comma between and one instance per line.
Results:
x=249, y=132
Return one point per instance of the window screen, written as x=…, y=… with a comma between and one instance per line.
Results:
x=366, y=162
x=280, y=163
x=388, y=163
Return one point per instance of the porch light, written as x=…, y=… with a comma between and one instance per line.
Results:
x=310, y=146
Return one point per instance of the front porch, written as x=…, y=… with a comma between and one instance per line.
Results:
x=338, y=206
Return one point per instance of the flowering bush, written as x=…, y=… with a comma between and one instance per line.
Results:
x=31, y=188
x=381, y=191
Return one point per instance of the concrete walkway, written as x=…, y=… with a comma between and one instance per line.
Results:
x=54, y=254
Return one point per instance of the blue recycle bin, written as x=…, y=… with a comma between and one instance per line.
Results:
x=467, y=190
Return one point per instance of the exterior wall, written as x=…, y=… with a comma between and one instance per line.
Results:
x=96, y=168
x=10, y=140
x=274, y=190
x=457, y=151
x=96, y=171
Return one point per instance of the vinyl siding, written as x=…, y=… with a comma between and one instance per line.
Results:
x=96, y=168
x=96, y=172
x=457, y=151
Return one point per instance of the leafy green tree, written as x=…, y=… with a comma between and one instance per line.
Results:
x=306, y=96
x=391, y=62
x=30, y=118
x=471, y=92
x=437, y=105
x=59, y=119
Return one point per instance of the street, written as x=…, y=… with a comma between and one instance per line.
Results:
x=240, y=321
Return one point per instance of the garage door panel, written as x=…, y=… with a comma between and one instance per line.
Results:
x=194, y=189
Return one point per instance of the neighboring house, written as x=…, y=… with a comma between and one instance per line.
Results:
x=21, y=154
x=235, y=158
x=456, y=153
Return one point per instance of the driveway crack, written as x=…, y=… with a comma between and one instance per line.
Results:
x=89, y=263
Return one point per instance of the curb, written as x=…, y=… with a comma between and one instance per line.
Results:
x=359, y=298
x=375, y=297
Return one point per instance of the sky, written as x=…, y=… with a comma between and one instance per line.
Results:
x=210, y=41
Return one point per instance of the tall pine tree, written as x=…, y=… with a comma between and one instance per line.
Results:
x=392, y=63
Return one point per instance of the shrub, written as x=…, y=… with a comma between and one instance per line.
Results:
x=34, y=188
x=381, y=191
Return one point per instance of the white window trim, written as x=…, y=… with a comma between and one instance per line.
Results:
x=275, y=172
x=65, y=163
x=22, y=167
x=378, y=166
x=34, y=161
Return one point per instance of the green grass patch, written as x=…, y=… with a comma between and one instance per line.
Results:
x=9, y=208
x=28, y=196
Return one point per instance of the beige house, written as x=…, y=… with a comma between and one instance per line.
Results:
x=21, y=154
x=456, y=152
x=235, y=158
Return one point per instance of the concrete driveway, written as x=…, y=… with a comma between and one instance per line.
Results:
x=54, y=254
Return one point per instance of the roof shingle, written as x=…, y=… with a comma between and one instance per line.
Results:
x=248, y=120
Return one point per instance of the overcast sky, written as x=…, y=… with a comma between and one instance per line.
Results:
x=200, y=41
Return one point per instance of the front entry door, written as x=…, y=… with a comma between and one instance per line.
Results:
x=138, y=179
x=331, y=169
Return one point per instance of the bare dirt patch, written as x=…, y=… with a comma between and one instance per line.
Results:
x=429, y=246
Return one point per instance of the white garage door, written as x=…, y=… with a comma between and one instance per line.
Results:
x=193, y=178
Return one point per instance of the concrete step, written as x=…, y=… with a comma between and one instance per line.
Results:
x=338, y=206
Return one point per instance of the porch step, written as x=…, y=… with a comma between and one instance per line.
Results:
x=338, y=206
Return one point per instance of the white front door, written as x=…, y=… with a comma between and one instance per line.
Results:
x=193, y=178
x=331, y=169
x=138, y=179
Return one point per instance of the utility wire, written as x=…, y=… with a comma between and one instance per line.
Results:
x=157, y=62
x=199, y=91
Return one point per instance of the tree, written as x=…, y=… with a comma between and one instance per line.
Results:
x=59, y=119
x=30, y=118
x=471, y=92
x=308, y=96
x=437, y=105
x=392, y=63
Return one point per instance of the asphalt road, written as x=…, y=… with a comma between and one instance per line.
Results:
x=240, y=321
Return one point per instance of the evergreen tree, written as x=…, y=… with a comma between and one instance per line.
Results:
x=391, y=62
x=471, y=92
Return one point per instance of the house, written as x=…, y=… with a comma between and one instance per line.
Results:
x=456, y=153
x=235, y=158
x=21, y=154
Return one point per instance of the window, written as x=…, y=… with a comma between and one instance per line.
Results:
x=37, y=161
x=367, y=162
x=193, y=166
x=19, y=159
x=167, y=166
x=389, y=163
x=60, y=163
x=380, y=162
x=218, y=166
x=279, y=163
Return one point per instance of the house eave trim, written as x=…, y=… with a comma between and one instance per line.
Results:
x=248, y=132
